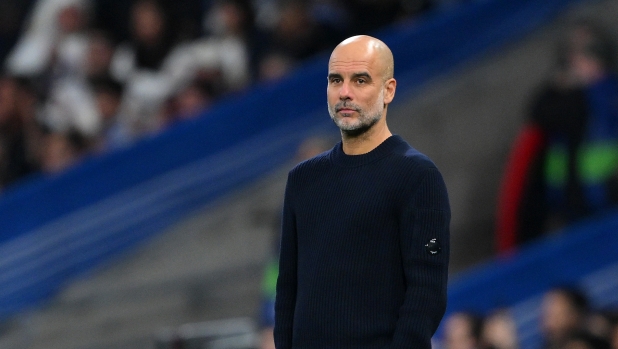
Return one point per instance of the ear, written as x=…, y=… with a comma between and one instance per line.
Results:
x=389, y=90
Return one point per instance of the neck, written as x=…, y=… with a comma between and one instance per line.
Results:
x=366, y=142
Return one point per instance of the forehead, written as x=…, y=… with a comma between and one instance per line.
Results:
x=349, y=67
x=351, y=61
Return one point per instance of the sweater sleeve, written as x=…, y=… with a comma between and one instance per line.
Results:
x=285, y=301
x=425, y=216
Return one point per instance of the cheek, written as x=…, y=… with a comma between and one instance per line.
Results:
x=332, y=94
x=374, y=101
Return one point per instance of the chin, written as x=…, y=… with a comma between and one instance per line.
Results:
x=356, y=131
x=348, y=126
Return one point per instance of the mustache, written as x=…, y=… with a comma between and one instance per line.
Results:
x=347, y=105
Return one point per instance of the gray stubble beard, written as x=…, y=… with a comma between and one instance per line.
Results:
x=366, y=120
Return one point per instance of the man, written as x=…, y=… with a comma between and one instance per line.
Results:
x=563, y=312
x=462, y=330
x=365, y=232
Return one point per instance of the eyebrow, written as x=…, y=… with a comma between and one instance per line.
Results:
x=361, y=75
x=334, y=75
x=354, y=75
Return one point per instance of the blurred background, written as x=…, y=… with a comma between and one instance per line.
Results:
x=144, y=148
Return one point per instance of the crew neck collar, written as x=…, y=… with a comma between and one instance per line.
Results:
x=339, y=157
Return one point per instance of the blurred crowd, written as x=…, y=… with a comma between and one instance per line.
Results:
x=567, y=321
x=563, y=167
x=86, y=76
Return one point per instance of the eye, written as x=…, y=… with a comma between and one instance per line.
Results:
x=335, y=80
x=361, y=81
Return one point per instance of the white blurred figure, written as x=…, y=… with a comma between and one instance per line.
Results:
x=139, y=64
x=156, y=69
x=54, y=39
x=225, y=47
x=71, y=104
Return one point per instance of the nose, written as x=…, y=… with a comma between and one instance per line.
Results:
x=345, y=91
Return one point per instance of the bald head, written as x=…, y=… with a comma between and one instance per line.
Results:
x=360, y=87
x=366, y=48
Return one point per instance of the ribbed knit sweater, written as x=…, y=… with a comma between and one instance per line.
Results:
x=354, y=269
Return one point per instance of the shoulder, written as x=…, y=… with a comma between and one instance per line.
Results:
x=419, y=177
x=312, y=165
x=412, y=161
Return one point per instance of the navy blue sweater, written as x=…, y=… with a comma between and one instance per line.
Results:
x=354, y=271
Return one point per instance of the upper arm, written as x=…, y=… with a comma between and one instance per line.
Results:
x=426, y=216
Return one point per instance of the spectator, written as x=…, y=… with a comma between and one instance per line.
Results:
x=108, y=95
x=193, y=99
x=99, y=55
x=184, y=17
x=150, y=42
x=593, y=162
x=225, y=49
x=53, y=40
x=564, y=162
x=297, y=30
x=499, y=331
x=584, y=340
x=463, y=331
x=139, y=64
x=274, y=66
x=62, y=150
x=563, y=312
x=188, y=103
x=72, y=103
x=16, y=130
x=296, y=35
x=600, y=323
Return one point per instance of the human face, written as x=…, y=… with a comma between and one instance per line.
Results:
x=459, y=332
x=356, y=100
x=148, y=22
x=558, y=317
x=342, y=113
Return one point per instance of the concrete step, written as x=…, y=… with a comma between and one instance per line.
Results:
x=137, y=316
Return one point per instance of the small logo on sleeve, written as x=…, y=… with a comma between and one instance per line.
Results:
x=433, y=247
